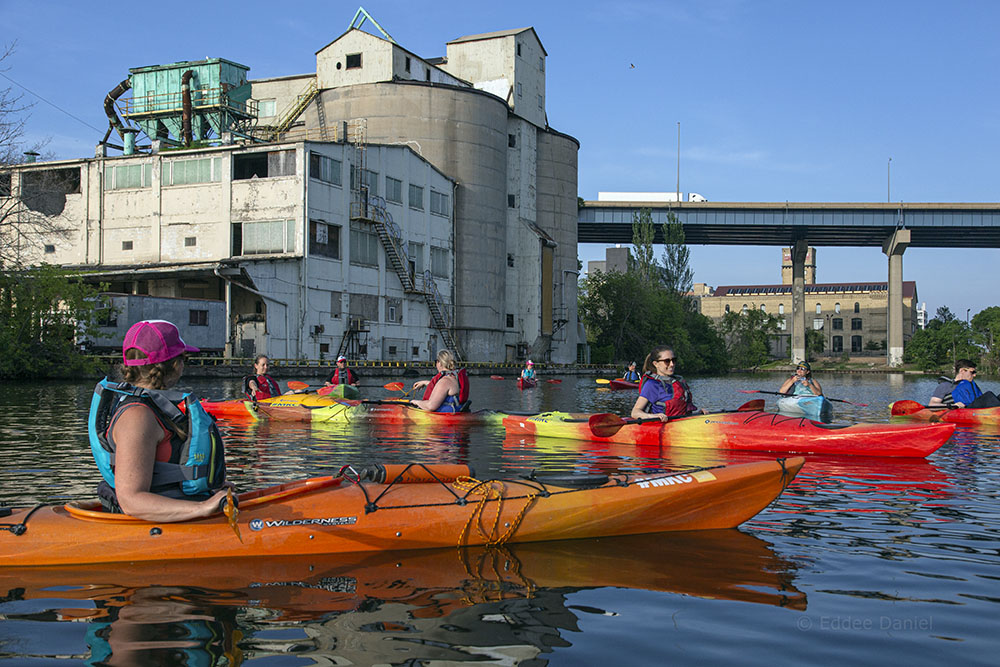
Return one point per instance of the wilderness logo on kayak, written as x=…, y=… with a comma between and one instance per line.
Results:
x=260, y=524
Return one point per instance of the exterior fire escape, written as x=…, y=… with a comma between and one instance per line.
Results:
x=371, y=210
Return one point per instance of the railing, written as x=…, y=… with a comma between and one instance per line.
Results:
x=201, y=98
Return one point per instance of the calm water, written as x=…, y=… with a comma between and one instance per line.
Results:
x=861, y=560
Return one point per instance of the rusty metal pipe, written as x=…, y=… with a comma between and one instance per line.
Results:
x=109, y=109
x=186, y=137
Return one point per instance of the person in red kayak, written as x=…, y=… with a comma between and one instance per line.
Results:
x=528, y=373
x=160, y=453
x=448, y=391
x=662, y=393
x=963, y=392
x=631, y=375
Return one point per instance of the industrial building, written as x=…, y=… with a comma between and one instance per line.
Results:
x=386, y=205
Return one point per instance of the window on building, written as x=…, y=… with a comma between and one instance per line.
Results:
x=439, y=203
x=107, y=318
x=783, y=324
x=510, y=259
x=263, y=164
x=364, y=307
x=406, y=65
x=511, y=140
x=262, y=238
x=763, y=308
x=727, y=307
x=541, y=102
x=364, y=245
x=856, y=324
x=518, y=49
x=370, y=180
x=510, y=320
x=439, y=262
x=187, y=172
x=393, y=190
x=324, y=239
x=416, y=255
x=128, y=176
x=519, y=89
x=352, y=61
x=198, y=318
x=416, y=199
x=44, y=190
x=819, y=309
x=335, y=304
x=857, y=307
x=428, y=72
x=266, y=108
x=541, y=64
x=324, y=348
x=836, y=308
x=394, y=310
x=817, y=323
x=511, y=201
x=838, y=344
x=126, y=245
x=743, y=310
x=5, y=183
x=190, y=241
x=856, y=344
x=781, y=309
x=49, y=248
x=325, y=169
x=838, y=324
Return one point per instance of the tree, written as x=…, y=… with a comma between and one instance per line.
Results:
x=815, y=342
x=747, y=336
x=944, y=314
x=986, y=333
x=643, y=233
x=42, y=312
x=940, y=344
x=24, y=210
x=676, y=275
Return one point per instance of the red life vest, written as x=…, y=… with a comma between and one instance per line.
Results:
x=463, y=384
x=266, y=387
x=679, y=402
x=335, y=378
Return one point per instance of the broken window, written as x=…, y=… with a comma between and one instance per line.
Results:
x=353, y=61
x=44, y=190
x=264, y=165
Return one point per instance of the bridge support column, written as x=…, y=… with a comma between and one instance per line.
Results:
x=894, y=247
x=799, y=251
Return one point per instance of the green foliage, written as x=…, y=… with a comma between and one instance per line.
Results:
x=940, y=344
x=625, y=317
x=815, y=342
x=643, y=233
x=41, y=312
x=676, y=275
x=986, y=333
x=944, y=314
x=748, y=337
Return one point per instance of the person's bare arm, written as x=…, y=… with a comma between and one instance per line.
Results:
x=441, y=391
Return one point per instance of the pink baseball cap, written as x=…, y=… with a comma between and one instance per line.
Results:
x=159, y=340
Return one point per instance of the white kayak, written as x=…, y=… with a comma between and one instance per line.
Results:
x=817, y=408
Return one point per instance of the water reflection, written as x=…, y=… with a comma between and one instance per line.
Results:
x=383, y=608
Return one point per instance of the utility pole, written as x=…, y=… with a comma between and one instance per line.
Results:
x=888, y=181
x=678, y=161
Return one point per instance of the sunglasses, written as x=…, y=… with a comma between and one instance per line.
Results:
x=668, y=360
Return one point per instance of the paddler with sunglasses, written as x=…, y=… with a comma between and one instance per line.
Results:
x=662, y=393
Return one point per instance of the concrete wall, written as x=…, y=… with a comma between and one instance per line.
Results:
x=463, y=133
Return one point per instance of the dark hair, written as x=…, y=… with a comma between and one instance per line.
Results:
x=647, y=366
x=964, y=363
x=152, y=376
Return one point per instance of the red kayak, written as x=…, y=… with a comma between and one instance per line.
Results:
x=747, y=430
x=526, y=383
x=965, y=416
x=619, y=383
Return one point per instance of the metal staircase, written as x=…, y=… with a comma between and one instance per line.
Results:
x=372, y=210
x=294, y=110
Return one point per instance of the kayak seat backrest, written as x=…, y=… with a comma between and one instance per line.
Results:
x=829, y=427
x=569, y=481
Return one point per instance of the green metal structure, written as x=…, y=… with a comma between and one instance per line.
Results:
x=219, y=100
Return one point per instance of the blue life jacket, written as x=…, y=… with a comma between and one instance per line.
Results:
x=197, y=464
x=965, y=392
x=631, y=376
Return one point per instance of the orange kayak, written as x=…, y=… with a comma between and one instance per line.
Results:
x=750, y=430
x=714, y=564
x=399, y=510
x=965, y=416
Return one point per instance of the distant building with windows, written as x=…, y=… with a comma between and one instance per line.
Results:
x=851, y=315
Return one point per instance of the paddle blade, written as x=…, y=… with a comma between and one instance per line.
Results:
x=554, y=381
x=906, y=408
x=749, y=391
x=231, y=512
x=323, y=391
x=602, y=381
x=496, y=377
x=752, y=406
x=605, y=425
x=394, y=386
x=296, y=384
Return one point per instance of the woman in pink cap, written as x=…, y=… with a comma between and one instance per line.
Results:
x=160, y=454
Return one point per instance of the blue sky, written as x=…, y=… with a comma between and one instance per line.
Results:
x=778, y=100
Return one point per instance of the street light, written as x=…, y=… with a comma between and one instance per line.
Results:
x=967, y=316
x=888, y=181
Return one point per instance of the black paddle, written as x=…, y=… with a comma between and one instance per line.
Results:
x=607, y=424
x=778, y=393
